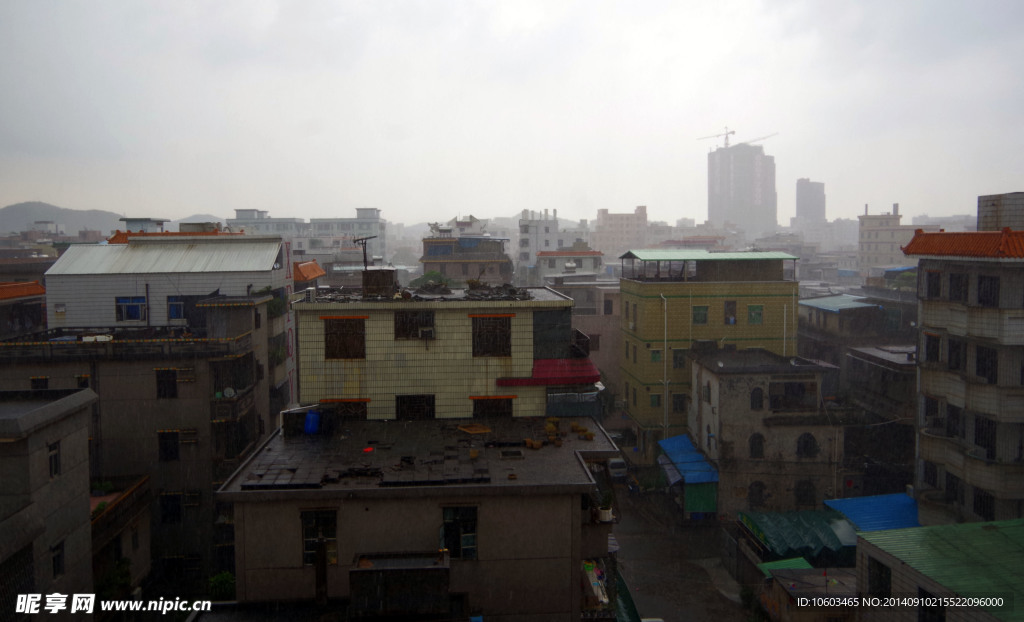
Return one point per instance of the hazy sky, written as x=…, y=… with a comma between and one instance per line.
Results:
x=434, y=109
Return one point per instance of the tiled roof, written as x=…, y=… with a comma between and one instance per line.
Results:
x=308, y=270
x=1005, y=244
x=9, y=291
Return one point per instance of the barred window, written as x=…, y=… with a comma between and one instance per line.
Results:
x=317, y=525
x=345, y=338
x=409, y=323
x=492, y=336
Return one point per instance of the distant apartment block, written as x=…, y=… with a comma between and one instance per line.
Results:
x=881, y=238
x=741, y=189
x=615, y=234
x=996, y=211
x=810, y=203
x=461, y=259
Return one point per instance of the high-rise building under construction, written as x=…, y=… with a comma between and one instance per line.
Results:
x=741, y=189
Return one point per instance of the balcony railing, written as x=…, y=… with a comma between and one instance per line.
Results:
x=112, y=520
x=74, y=347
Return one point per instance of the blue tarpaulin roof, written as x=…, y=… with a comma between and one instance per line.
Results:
x=879, y=512
x=690, y=463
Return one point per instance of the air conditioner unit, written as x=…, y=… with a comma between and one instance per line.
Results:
x=427, y=333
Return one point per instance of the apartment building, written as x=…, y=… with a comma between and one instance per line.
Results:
x=880, y=238
x=970, y=362
x=675, y=301
x=44, y=495
x=461, y=259
x=615, y=234
x=185, y=339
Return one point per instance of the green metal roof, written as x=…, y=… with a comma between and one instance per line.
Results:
x=794, y=562
x=702, y=255
x=971, y=559
x=835, y=304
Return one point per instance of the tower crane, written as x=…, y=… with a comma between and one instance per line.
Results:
x=757, y=140
x=725, y=133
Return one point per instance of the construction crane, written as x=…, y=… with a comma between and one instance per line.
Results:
x=756, y=140
x=725, y=133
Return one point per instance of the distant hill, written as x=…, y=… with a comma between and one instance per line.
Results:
x=20, y=216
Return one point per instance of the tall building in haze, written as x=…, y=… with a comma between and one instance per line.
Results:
x=810, y=202
x=741, y=189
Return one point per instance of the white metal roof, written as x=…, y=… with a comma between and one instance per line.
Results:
x=176, y=256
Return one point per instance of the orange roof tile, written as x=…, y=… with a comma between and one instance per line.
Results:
x=307, y=271
x=1005, y=244
x=9, y=291
x=121, y=237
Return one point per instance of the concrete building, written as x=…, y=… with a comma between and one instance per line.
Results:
x=537, y=233
x=929, y=564
x=44, y=495
x=996, y=211
x=186, y=340
x=259, y=222
x=462, y=259
x=22, y=309
x=340, y=232
x=810, y=204
x=971, y=353
x=677, y=301
x=741, y=189
x=426, y=519
x=121, y=536
x=763, y=421
x=880, y=238
x=506, y=351
x=615, y=234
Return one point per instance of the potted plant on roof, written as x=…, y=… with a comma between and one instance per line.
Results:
x=604, y=510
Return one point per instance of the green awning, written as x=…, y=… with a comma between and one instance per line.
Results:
x=792, y=563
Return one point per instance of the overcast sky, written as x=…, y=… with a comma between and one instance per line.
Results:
x=434, y=109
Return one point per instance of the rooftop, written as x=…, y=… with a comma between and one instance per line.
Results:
x=162, y=255
x=374, y=458
x=12, y=291
x=971, y=559
x=758, y=361
x=896, y=355
x=991, y=245
x=665, y=254
x=441, y=293
x=23, y=412
x=835, y=304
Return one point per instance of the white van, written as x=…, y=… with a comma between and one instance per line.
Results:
x=617, y=468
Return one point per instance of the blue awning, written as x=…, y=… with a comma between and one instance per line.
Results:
x=895, y=511
x=690, y=463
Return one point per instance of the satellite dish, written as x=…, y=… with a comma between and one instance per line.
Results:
x=229, y=392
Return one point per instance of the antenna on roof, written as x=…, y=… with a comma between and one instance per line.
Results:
x=362, y=242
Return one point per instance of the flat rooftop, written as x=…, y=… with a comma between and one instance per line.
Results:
x=758, y=361
x=387, y=457
x=439, y=294
x=903, y=355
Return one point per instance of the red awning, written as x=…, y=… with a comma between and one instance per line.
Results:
x=556, y=371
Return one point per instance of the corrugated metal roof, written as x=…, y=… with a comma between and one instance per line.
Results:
x=1005, y=244
x=690, y=463
x=975, y=559
x=213, y=255
x=10, y=291
x=837, y=303
x=782, y=564
x=660, y=254
x=805, y=533
x=879, y=512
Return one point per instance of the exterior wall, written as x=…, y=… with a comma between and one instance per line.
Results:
x=810, y=202
x=614, y=234
x=741, y=189
x=996, y=211
x=55, y=510
x=604, y=331
x=411, y=366
x=523, y=548
x=643, y=332
x=958, y=467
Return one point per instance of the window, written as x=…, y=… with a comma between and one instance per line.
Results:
x=755, y=494
x=492, y=336
x=551, y=263
x=954, y=490
x=985, y=436
x=414, y=407
x=655, y=356
x=547, y=243
x=933, y=284
x=53, y=451
x=755, y=314
x=931, y=348
x=170, y=508
x=984, y=505
x=524, y=256
x=730, y=311
x=806, y=446
x=176, y=308
x=958, y=287
x=319, y=526
x=956, y=353
x=169, y=446
x=655, y=400
x=679, y=402
x=707, y=392
x=805, y=493
x=607, y=307
x=879, y=578
x=39, y=383
x=700, y=315
x=931, y=474
x=130, y=308
x=492, y=408
x=757, y=399
x=345, y=338
x=988, y=291
x=166, y=384
x=626, y=310
x=954, y=421
x=634, y=353
x=409, y=323
x=987, y=364
x=524, y=243
x=634, y=396
x=756, y=446
x=57, y=559
x=458, y=533
x=678, y=359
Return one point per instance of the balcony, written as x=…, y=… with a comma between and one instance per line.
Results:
x=1003, y=403
x=1003, y=325
x=1004, y=479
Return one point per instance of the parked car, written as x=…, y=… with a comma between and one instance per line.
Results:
x=618, y=469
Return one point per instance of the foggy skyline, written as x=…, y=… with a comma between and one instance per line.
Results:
x=437, y=109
